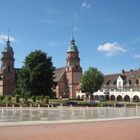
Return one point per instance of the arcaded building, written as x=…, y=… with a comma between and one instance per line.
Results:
x=124, y=86
x=66, y=78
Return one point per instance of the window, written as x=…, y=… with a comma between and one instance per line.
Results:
x=130, y=82
x=119, y=84
x=76, y=67
x=114, y=82
x=137, y=81
x=9, y=70
x=108, y=82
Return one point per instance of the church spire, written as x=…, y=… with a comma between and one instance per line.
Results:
x=8, y=48
x=72, y=47
x=8, y=42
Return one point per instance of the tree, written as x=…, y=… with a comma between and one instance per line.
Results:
x=92, y=81
x=37, y=75
x=9, y=98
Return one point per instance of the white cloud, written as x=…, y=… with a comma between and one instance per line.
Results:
x=111, y=48
x=85, y=5
x=137, y=56
x=4, y=37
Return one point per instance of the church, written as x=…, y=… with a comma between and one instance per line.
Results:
x=67, y=78
x=7, y=71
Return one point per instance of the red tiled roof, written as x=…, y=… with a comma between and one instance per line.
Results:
x=58, y=73
x=131, y=75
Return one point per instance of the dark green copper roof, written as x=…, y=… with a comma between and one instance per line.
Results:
x=8, y=48
x=72, y=47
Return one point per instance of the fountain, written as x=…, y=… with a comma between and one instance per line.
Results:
x=136, y=106
x=67, y=113
x=2, y=111
x=30, y=106
x=20, y=107
x=61, y=106
x=70, y=106
x=13, y=107
x=48, y=106
x=38, y=106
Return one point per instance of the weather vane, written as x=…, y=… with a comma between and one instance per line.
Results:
x=72, y=32
x=8, y=33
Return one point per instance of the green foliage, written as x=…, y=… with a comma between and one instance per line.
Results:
x=1, y=98
x=37, y=75
x=84, y=103
x=34, y=98
x=92, y=81
x=46, y=99
x=41, y=97
x=17, y=98
x=9, y=98
x=25, y=99
x=38, y=98
x=17, y=92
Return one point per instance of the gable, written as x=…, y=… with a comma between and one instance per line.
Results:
x=59, y=73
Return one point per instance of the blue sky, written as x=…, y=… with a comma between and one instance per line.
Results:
x=107, y=32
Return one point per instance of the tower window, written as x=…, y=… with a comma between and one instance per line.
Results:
x=9, y=70
x=76, y=67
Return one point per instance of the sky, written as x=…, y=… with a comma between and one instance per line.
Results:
x=107, y=32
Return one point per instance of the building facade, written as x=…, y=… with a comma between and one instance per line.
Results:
x=123, y=86
x=67, y=78
x=7, y=71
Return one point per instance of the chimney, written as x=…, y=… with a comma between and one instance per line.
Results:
x=123, y=71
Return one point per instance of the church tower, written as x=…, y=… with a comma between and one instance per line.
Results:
x=7, y=70
x=73, y=69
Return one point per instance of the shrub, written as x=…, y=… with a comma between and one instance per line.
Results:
x=34, y=98
x=25, y=99
x=84, y=103
x=9, y=98
x=17, y=98
x=41, y=98
x=38, y=98
x=47, y=99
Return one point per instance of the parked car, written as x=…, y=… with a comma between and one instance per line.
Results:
x=68, y=103
x=119, y=104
